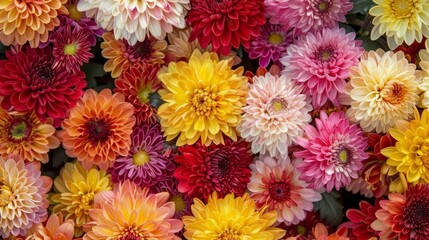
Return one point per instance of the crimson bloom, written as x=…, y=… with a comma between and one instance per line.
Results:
x=361, y=219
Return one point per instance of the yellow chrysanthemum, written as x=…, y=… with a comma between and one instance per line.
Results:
x=203, y=99
x=410, y=155
x=400, y=20
x=76, y=189
x=424, y=84
x=230, y=218
x=382, y=90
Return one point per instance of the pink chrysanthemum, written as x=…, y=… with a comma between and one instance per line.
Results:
x=275, y=183
x=145, y=164
x=308, y=15
x=333, y=153
x=270, y=45
x=321, y=61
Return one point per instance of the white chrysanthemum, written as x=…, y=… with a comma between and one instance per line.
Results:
x=424, y=84
x=275, y=115
x=382, y=90
x=134, y=20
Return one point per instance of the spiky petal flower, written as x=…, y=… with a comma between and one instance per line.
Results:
x=382, y=90
x=225, y=24
x=205, y=169
x=404, y=216
x=275, y=115
x=321, y=62
x=230, y=218
x=24, y=135
x=361, y=220
x=23, y=197
x=203, y=99
x=98, y=128
x=334, y=152
x=275, y=184
x=56, y=228
x=128, y=212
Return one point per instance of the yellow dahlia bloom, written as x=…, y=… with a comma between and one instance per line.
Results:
x=203, y=99
x=382, y=90
x=230, y=218
x=410, y=155
x=76, y=189
x=400, y=20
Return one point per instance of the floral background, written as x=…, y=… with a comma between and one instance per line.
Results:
x=225, y=119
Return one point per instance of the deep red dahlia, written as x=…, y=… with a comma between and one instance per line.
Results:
x=360, y=221
x=28, y=81
x=225, y=23
x=222, y=168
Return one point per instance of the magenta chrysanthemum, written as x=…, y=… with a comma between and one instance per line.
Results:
x=333, y=153
x=145, y=164
x=270, y=45
x=321, y=61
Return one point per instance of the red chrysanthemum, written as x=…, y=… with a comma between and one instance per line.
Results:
x=221, y=168
x=28, y=81
x=225, y=24
x=137, y=83
x=412, y=51
x=360, y=221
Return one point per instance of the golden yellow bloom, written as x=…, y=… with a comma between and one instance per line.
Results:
x=230, y=218
x=410, y=155
x=400, y=20
x=76, y=189
x=203, y=99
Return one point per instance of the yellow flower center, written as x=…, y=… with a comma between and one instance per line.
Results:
x=228, y=235
x=325, y=54
x=402, y=8
x=74, y=13
x=143, y=95
x=277, y=105
x=132, y=233
x=86, y=200
x=178, y=202
x=394, y=92
x=275, y=38
x=203, y=102
x=322, y=6
x=70, y=49
x=19, y=130
x=344, y=155
x=141, y=158
x=5, y=194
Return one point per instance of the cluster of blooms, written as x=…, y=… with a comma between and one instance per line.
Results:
x=186, y=144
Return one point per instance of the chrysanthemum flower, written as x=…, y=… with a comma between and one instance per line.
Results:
x=410, y=155
x=76, y=189
x=23, y=197
x=275, y=184
x=270, y=45
x=334, y=152
x=56, y=228
x=230, y=218
x=24, y=135
x=134, y=21
x=145, y=163
x=424, y=84
x=382, y=90
x=128, y=212
x=412, y=51
x=400, y=20
x=404, y=216
x=361, y=220
x=203, y=99
x=29, y=81
x=321, y=61
x=308, y=15
x=225, y=24
x=275, y=115
x=71, y=48
x=98, y=128
x=120, y=55
x=179, y=47
x=137, y=83
x=205, y=169
x=29, y=21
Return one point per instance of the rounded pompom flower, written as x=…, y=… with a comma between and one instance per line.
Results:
x=334, y=152
x=321, y=62
x=98, y=128
x=221, y=168
x=275, y=184
x=23, y=197
x=275, y=115
x=225, y=24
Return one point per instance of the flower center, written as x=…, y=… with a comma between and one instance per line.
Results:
x=301, y=230
x=143, y=95
x=70, y=49
x=394, y=92
x=341, y=154
x=179, y=203
x=279, y=191
x=86, y=201
x=132, y=233
x=140, y=158
x=45, y=73
x=98, y=130
x=5, y=194
x=344, y=155
x=74, y=13
x=275, y=38
x=140, y=51
x=19, y=130
x=322, y=6
x=228, y=234
x=277, y=105
x=325, y=54
x=223, y=164
x=402, y=8
x=416, y=213
x=203, y=102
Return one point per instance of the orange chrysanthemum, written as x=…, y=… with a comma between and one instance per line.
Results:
x=29, y=21
x=98, y=128
x=24, y=135
x=56, y=228
x=120, y=55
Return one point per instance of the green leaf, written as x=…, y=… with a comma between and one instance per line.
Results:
x=330, y=208
x=59, y=157
x=93, y=70
x=368, y=44
x=361, y=6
